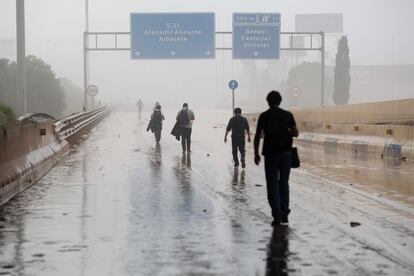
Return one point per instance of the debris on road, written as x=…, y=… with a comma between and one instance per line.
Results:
x=355, y=224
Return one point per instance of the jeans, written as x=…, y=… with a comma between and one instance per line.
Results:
x=186, y=138
x=277, y=169
x=238, y=144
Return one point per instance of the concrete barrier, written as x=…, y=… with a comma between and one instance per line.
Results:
x=384, y=129
x=377, y=147
x=27, y=153
x=29, y=150
x=389, y=112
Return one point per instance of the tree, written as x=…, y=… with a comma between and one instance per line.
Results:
x=8, y=81
x=44, y=92
x=342, y=78
x=307, y=77
x=73, y=96
x=7, y=117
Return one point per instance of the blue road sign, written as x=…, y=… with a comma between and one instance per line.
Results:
x=233, y=84
x=256, y=35
x=172, y=36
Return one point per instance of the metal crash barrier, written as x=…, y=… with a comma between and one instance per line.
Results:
x=73, y=124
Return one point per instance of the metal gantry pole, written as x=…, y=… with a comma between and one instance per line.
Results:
x=233, y=101
x=21, y=57
x=85, y=71
x=85, y=57
x=322, y=69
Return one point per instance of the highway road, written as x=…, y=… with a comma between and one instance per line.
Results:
x=118, y=204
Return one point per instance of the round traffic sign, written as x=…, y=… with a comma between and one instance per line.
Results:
x=92, y=90
x=233, y=84
x=295, y=92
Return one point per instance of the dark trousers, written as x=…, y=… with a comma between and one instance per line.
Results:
x=277, y=169
x=157, y=133
x=238, y=145
x=156, y=128
x=186, y=138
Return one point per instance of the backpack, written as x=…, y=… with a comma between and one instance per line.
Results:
x=278, y=131
x=157, y=117
x=183, y=118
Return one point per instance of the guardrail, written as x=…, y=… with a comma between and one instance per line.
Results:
x=71, y=125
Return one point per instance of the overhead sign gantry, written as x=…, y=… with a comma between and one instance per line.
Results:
x=172, y=36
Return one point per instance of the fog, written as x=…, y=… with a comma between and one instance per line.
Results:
x=378, y=33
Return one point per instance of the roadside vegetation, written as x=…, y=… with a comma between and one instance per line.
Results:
x=7, y=117
x=307, y=77
x=44, y=91
x=342, y=73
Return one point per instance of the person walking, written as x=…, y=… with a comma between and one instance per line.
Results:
x=239, y=126
x=278, y=128
x=155, y=123
x=185, y=118
x=140, y=105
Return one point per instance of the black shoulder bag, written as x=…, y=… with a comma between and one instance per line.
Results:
x=295, y=159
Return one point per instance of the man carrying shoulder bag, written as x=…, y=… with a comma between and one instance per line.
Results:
x=278, y=128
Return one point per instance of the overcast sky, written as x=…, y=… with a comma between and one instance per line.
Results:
x=379, y=31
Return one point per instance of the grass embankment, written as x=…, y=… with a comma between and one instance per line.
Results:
x=7, y=118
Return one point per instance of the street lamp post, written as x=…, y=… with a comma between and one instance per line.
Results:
x=233, y=84
x=21, y=56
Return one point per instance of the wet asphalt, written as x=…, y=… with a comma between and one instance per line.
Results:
x=118, y=204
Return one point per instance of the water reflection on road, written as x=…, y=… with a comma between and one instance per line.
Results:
x=389, y=177
x=278, y=248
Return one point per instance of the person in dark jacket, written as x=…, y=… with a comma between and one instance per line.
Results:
x=140, y=105
x=239, y=126
x=156, y=122
x=278, y=128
